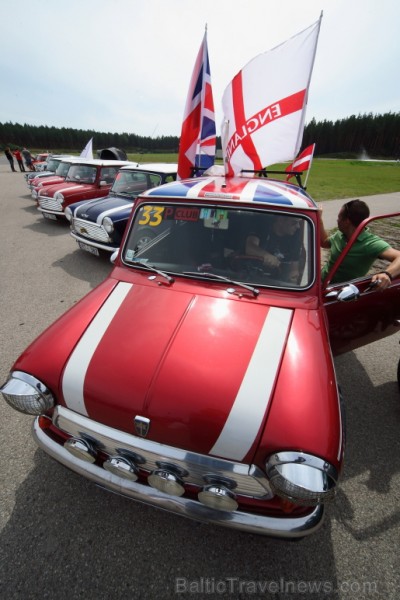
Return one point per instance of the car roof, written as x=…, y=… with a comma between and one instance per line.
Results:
x=97, y=162
x=240, y=189
x=156, y=167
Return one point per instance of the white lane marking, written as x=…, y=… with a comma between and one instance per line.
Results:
x=75, y=371
x=251, y=402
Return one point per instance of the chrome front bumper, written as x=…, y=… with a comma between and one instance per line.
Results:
x=91, y=242
x=282, y=527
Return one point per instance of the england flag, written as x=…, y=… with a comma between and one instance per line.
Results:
x=264, y=105
x=198, y=136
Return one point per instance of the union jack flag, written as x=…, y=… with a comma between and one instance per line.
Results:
x=198, y=135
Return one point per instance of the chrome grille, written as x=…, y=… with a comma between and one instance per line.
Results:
x=49, y=203
x=90, y=230
x=249, y=479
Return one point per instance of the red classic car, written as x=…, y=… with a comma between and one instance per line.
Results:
x=47, y=178
x=39, y=162
x=85, y=180
x=199, y=378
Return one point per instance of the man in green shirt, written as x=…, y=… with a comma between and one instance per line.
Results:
x=365, y=250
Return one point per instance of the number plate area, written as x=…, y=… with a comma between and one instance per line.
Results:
x=88, y=248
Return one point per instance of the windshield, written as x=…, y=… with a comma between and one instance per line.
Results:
x=52, y=164
x=261, y=248
x=63, y=169
x=82, y=174
x=133, y=183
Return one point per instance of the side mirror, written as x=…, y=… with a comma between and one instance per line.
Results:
x=348, y=293
x=113, y=256
x=103, y=183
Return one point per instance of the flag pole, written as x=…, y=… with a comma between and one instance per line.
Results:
x=224, y=142
x=309, y=168
x=202, y=101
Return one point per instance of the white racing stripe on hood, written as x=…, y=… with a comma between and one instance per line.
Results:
x=111, y=211
x=70, y=187
x=75, y=371
x=251, y=402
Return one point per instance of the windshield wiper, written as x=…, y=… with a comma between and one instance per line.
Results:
x=249, y=288
x=139, y=263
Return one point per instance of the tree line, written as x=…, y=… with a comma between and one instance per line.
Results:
x=376, y=135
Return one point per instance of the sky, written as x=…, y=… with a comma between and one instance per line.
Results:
x=125, y=65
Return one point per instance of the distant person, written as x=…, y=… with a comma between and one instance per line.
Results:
x=365, y=250
x=18, y=156
x=10, y=158
x=28, y=159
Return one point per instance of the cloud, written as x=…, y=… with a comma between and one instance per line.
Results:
x=125, y=66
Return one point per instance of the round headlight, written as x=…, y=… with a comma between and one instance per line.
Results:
x=68, y=213
x=108, y=224
x=59, y=197
x=301, y=478
x=27, y=394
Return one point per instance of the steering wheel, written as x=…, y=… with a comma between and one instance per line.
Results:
x=246, y=262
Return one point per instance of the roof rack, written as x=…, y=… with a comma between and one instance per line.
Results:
x=266, y=172
x=196, y=171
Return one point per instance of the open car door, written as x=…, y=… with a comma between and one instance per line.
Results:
x=358, y=315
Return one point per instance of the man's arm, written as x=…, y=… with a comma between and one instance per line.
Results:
x=392, y=256
x=253, y=249
x=323, y=234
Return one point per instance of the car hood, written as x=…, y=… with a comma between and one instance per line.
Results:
x=65, y=187
x=96, y=210
x=201, y=368
x=51, y=180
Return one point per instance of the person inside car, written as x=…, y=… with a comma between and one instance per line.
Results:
x=365, y=250
x=279, y=247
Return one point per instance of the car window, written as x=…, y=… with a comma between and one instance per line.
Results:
x=62, y=169
x=82, y=174
x=52, y=164
x=108, y=174
x=131, y=183
x=196, y=239
x=154, y=180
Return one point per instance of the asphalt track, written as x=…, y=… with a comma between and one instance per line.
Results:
x=62, y=537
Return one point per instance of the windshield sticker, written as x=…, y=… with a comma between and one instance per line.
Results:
x=215, y=218
x=151, y=215
x=182, y=213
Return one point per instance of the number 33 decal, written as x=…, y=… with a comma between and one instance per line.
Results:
x=152, y=215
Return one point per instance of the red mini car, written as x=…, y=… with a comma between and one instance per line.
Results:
x=198, y=377
x=46, y=178
x=84, y=181
x=40, y=161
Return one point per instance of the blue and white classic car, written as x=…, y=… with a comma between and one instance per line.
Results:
x=99, y=224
